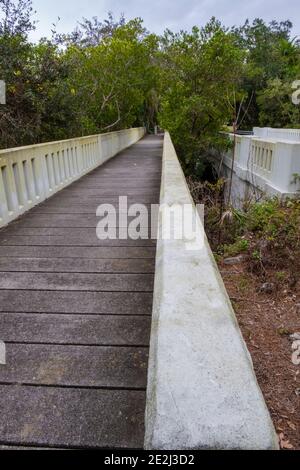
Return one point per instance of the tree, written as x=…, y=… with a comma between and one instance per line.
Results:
x=89, y=86
x=16, y=17
x=199, y=70
x=111, y=74
x=270, y=54
x=276, y=106
x=38, y=104
x=90, y=32
x=113, y=78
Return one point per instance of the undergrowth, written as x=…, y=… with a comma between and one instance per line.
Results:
x=267, y=233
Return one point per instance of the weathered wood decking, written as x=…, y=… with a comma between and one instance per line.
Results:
x=75, y=314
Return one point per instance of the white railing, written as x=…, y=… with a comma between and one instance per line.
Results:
x=261, y=156
x=269, y=164
x=31, y=174
x=277, y=134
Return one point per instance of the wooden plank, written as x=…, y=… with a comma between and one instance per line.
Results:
x=77, y=252
x=111, y=193
x=125, y=184
x=77, y=265
x=77, y=282
x=75, y=366
x=75, y=329
x=79, y=199
x=73, y=418
x=89, y=240
x=69, y=220
x=90, y=208
x=115, y=303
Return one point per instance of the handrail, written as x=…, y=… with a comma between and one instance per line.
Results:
x=275, y=133
x=31, y=174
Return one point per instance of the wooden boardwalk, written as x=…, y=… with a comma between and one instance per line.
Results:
x=75, y=314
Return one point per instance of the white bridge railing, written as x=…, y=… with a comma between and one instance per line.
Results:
x=31, y=174
x=268, y=163
x=278, y=134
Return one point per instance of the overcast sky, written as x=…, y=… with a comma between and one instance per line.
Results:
x=161, y=14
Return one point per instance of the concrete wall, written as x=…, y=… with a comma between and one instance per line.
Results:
x=202, y=391
x=242, y=190
x=29, y=175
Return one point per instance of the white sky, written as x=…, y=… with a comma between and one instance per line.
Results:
x=161, y=14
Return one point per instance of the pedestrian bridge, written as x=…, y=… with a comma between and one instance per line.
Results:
x=264, y=163
x=78, y=314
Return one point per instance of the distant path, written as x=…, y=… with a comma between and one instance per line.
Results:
x=75, y=314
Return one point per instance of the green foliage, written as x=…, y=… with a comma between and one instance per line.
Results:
x=272, y=63
x=113, y=79
x=267, y=232
x=101, y=79
x=39, y=103
x=239, y=246
x=273, y=221
x=198, y=71
x=112, y=74
x=276, y=106
x=280, y=275
x=273, y=218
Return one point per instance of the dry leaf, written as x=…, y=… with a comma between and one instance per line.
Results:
x=284, y=444
x=292, y=425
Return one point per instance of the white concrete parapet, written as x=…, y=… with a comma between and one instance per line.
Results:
x=269, y=164
x=31, y=174
x=278, y=134
x=202, y=391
